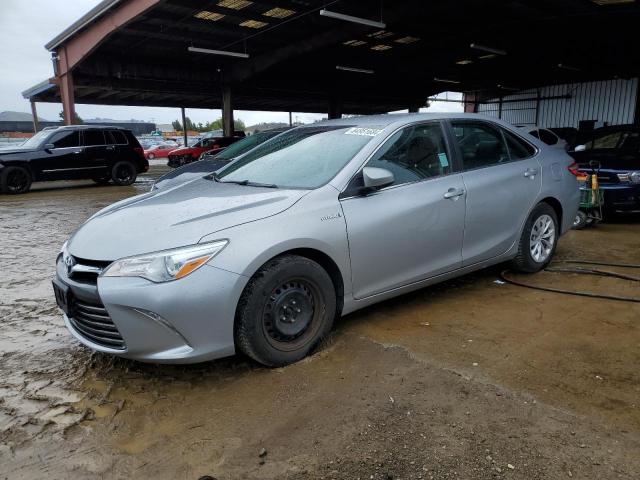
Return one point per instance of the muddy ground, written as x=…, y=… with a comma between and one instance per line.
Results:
x=468, y=379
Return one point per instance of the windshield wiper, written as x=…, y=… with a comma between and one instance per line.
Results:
x=249, y=183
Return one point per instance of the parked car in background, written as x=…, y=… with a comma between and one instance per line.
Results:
x=214, y=160
x=615, y=153
x=75, y=152
x=568, y=134
x=547, y=136
x=316, y=223
x=159, y=151
x=184, y=155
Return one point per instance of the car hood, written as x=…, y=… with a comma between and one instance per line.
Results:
x=11, y=150
x=165, y=219
x=185, y=150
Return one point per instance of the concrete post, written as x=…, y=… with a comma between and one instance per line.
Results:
x=227, y=112
x=291, y=119
x=34, y=113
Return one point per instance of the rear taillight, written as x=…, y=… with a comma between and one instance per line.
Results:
x=573, y=169
x=139, y=151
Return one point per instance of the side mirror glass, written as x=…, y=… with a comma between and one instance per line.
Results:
x=49, y=146
x=376, y=178
x=580, y=148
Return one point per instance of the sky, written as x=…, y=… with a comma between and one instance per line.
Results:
x=26, y=26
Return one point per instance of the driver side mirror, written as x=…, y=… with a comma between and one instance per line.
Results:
x=376, y=178
x=49, y=146
x=580, y=148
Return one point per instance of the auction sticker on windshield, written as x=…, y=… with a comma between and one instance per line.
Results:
x=366, y=132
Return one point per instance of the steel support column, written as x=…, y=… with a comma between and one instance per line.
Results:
x=414, y=108
x=184, y=125
x=68, y=98
x=335, y=108
x=34, y=113
x=227, y=111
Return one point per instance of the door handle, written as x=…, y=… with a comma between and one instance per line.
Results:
x=111, y=147
x=530, y=172
x=77, y=152
x=454, y=193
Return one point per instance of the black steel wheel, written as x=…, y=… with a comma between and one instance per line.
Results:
x=15, y=180
x=123, y=173
x=581, y=221
x=285, y=311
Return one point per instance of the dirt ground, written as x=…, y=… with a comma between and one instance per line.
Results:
x=471, y=379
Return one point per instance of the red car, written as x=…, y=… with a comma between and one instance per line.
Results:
x=182, y=156
x=159, y=151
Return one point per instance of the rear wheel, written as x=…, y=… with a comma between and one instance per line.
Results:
x=538, y=241
x=123, y=173
x=285, y=311
x=15, y=180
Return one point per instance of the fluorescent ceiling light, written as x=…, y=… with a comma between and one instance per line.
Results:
x=350, y=18
x=487, y=57
x=504, y=87
x=219, y=52
x=496, y=51
x=464, y=62
x=444, y=80
x=568, y=67
x=353, y=69
x=380, y=34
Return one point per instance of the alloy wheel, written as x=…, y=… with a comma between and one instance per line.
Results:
x=542, y=239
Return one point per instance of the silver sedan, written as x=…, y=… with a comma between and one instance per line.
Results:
x=320, y=221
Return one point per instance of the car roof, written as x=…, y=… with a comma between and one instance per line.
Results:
x=385, y=120
x=85, y=127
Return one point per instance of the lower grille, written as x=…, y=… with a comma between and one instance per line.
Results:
x=93, y=322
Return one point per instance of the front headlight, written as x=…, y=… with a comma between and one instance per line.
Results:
x=166, y=265
x=631, y=177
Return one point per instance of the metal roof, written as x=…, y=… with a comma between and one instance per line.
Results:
x=294, y=53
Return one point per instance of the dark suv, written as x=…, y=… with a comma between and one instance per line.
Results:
x=73, y=152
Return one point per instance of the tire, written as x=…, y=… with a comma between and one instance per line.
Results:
x=538, y=242
x=581, y=221
x=303, y=297
x=151, y=156
x=15, y=180
x=124, y=173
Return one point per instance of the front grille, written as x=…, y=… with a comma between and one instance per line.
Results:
x=87, y=271
x=93, y=322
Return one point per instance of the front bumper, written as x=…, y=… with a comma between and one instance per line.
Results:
x=176, y=161
x=185, y=321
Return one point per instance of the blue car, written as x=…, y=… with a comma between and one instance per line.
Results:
x=616, y=152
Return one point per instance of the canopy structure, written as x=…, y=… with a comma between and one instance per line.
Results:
x=340, y=57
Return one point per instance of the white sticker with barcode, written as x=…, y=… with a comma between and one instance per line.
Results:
x=365, y=132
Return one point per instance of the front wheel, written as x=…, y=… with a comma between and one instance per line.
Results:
x=15, y=180
x=285, y=311
x=123, y=173
x=151, y=156
x=538, y=241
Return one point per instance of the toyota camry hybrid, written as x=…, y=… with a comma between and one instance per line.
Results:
x=262, y=256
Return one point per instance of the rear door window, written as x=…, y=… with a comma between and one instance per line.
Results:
x=481, y=145
x=66, y=139
x=119, y=137
x=93, y=138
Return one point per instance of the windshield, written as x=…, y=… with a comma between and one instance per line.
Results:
x=302, y=158
x=245, y=145
x=36, y=140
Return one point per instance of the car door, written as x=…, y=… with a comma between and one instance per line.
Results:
x=99, y=153
x=412, y=229
x=501, y=176
x=61, y=158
